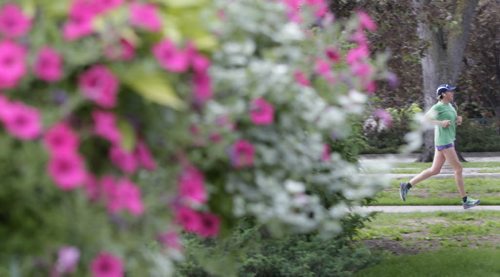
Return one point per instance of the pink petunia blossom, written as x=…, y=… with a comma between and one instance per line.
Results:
x=293, y=10
x=107, y=265
x=363, y=70
x=370, y=86
x=12, y=64
x=124, y=51
x=124, y=160
x=170, y=58
x=242, y=154
x=110, y=193
x=359, y=37
x=189, y=219
x=22, y=121
x=100, y=85
x=192, y=186
x=13, y=22
x=145, y=16
x=215, y=137
x=320, y=7
x=366, y=21
x=384, y=116
x=261, y=112
x=60, y=138
x=102, y=6
x=357, y=54
x=202, y=88
x=170, y=240
x=67, y=170
x=144, y=156
x=130, y=197
x=49, y=65
x=67, y=260
x=209, y=225
x=105, y=126
x=323, y=68
x=333, y=54
x=79, y=23
x=301, y=78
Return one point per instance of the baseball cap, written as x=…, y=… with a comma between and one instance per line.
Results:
x=444, y=88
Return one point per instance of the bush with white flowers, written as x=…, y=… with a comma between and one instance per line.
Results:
x=124, y=123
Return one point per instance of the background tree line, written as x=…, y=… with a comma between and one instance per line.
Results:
x=433, y=42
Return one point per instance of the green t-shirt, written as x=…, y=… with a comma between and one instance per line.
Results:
x=441, y=111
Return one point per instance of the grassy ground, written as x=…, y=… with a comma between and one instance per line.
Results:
x=466, y=242
x=448, y=262
x=442, y=192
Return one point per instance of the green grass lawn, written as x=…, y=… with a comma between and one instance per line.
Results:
x=448, y=244
x=447, y=262
x=442, y=192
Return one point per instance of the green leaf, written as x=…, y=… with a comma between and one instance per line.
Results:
x=152, y=86
x=128, y=135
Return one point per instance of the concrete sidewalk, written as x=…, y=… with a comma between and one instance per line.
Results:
x=427, y=209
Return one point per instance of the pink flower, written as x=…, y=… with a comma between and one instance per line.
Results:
x=100, y=85
x=209, y=225
x=22, y=121
x=357, y=54
x=67, y=170
x=202, y=88
x=130, y=197
x=12, y=64
x=261, y=112
x=144, y=156
x=145, y=16
x=363, y=70
x=301, y=78
x=242, y=154
x=107, y=265
x=359, y=37
x=326, y=153
x=170, y=58
x=366, y=21
x=370, y=87
x=80, y=20
x=67, y=260
x=293, y=10
x=384, y=116
x=320, y=7
x=189, y=219
x=61, y=139
x=48, y=65
x=105, y=126
x=332, y=54
x=123, y=159
x=110, y=193
x=192, y=186
x=323, y=68
x=199, y=62
x=13, y=22
x=124, y=51
x=170, y=240
x=103, y=6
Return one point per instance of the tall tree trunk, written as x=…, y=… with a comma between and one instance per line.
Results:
x=442, y=60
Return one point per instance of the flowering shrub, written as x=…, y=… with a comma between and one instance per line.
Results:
x=125, y=122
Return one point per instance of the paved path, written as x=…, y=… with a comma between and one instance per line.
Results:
x=412, y=209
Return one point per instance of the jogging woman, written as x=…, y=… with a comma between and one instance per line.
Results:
x=445, y=119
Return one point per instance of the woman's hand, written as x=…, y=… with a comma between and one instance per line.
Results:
x=445, y=123
x=459, y=120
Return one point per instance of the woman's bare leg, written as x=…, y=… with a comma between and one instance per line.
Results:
x=452, y=158
x=437, y=164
